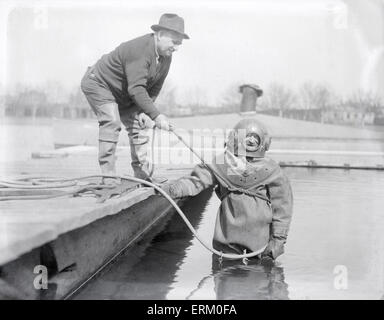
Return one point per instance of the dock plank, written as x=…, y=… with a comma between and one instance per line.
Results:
x=28, y=224
x=25, y=225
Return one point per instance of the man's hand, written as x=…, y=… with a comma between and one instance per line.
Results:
x=161, y=122
x=145, y=121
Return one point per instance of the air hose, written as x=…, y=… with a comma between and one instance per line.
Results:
x=61, y=183
x=159, y=190
x=189, y=225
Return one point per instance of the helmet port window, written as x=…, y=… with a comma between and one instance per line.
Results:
x=252, y=142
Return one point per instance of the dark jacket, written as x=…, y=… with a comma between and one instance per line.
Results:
x=132, y=74
x=256, y=201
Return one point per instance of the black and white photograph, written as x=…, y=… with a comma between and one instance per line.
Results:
x=191, y=151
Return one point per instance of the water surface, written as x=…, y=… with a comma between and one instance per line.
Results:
x=334, y=250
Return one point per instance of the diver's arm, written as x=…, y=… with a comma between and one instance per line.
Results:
x=281, y=198
x=201, y=178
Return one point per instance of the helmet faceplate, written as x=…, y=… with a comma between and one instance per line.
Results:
x=249, y=138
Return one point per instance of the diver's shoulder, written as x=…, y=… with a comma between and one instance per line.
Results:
x=271, y=162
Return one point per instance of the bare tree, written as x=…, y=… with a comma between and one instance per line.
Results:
x=27, y=102
x=231, y=96
x=77, y=99
x=277, y=96
x=55, y=91
x=2, y=106
x=76, y=105
x=2, y=101
x=365, y=101
x=316, y=96
x=196, y=96
x=166, y=101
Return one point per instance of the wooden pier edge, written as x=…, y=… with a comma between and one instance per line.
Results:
x=75, y=256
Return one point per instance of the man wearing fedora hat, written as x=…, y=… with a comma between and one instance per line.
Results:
x=122, y=87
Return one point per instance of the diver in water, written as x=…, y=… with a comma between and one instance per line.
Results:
x=256, y=196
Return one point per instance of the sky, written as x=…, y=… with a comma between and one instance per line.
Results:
x=334, y=42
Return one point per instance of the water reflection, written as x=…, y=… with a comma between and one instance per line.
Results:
x=256, y=280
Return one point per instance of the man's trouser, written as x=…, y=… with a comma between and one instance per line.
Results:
x=110, y=116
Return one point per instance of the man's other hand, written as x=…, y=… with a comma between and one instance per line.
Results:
x=145, y=121
x=161, y=122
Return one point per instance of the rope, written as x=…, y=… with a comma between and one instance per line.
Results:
x=164, y=194
x=152, y=153
x=24, y=185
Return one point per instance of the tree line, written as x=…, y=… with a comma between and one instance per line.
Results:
x=277, y=99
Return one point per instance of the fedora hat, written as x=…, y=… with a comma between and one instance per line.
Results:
x=171, y=22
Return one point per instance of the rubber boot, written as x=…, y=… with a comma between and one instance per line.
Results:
x=107, y=161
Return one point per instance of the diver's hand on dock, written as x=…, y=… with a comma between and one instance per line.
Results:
x=162, y=122
x=169, y=188
x=166, y=187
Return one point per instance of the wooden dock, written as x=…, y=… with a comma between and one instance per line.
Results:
x=70, y=236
